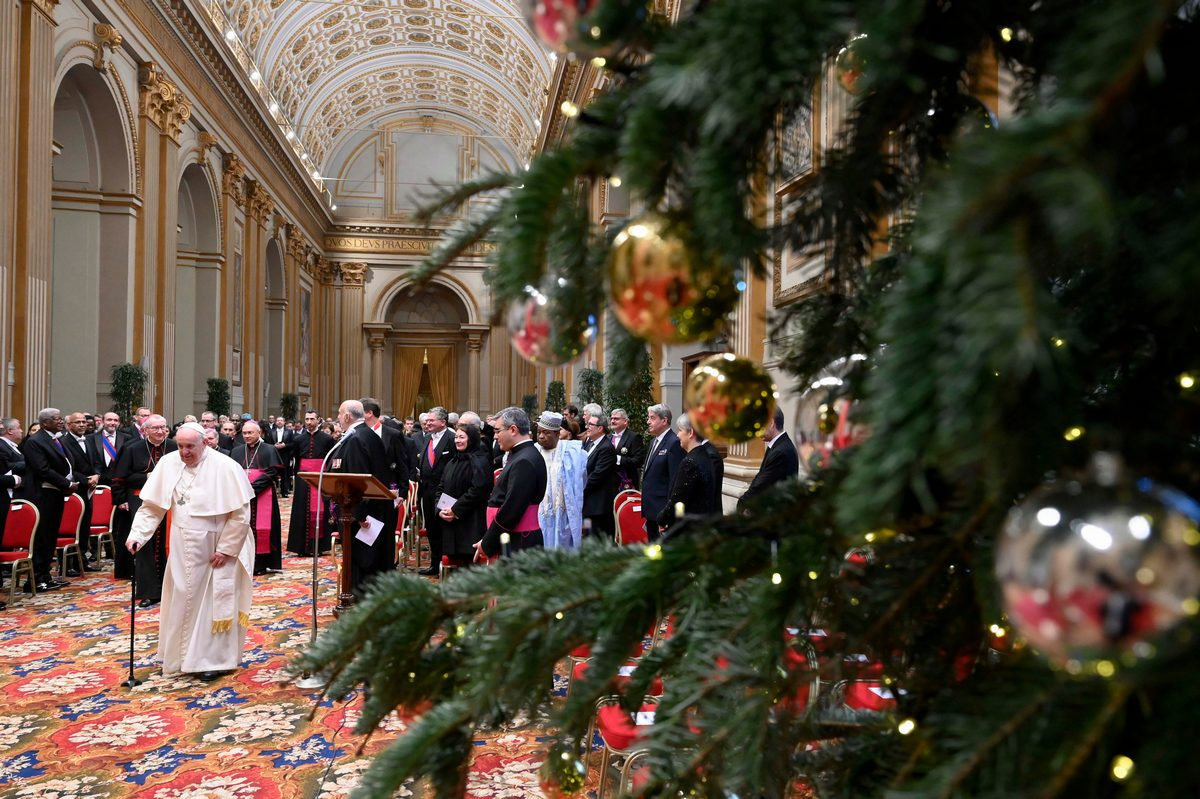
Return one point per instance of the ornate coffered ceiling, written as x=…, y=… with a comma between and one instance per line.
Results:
x=331, y=70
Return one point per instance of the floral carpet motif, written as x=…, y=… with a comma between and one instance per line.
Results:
x=70, y=730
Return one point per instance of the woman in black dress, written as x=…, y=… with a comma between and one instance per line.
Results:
x=693, y=484
x=468, y=480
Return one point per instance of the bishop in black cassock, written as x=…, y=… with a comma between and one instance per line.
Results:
x=309, y=448
x=262, y=464
x=135, y=461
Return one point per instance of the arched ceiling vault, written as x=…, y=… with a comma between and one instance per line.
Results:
x=337, y=67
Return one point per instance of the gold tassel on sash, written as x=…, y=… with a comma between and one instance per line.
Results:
x=222, y=625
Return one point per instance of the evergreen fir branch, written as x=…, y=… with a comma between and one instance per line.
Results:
x=1085, y=747
x=450, y=200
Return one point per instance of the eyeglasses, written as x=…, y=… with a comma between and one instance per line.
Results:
x=593, y=424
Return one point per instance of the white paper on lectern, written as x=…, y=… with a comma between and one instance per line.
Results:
x=369, y=533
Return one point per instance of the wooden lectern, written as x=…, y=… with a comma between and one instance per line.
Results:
x=347, y=490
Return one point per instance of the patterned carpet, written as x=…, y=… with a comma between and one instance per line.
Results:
x=69, y=730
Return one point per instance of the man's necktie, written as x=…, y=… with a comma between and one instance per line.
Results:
x=615, y=438
x=58, y=446
x=587, y=446
x=429, y=451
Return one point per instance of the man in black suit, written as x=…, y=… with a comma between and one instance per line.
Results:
x=75, y=443
x=438, y=446
x=50, y=481
x=105, y=445
x=280, y=437
x=601, y=486
x=400, y=457
x=12, y=466
x=520, y=488
x=779, y=463
x=662, y=461
x=361, y=451
x=309, y=448
x=630, y=447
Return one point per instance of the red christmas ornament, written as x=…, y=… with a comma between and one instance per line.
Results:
x=563, y=25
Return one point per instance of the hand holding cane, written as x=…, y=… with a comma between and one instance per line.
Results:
x=132, y=681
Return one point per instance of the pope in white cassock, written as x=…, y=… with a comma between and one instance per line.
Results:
x=206, y=591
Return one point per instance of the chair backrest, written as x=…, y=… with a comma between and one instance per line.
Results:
x=625, y=496
x=631, y=528
x=72, y=515
x=20, y=526
x=102, y=507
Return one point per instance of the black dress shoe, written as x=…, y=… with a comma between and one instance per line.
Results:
x=430, y=572
x=40, y=587
x=3, y=605
x=90, y=568
x=59, y=583
x=74, y=573
x=209, y=676
x=147, y=603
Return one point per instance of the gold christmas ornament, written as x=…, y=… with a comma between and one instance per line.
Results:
x=658, y=291
x=563, y=774
x=730, y=399
x=1093, y=572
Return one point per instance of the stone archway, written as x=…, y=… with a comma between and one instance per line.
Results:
x=274, y=330
x=94, y=218
x=198, y=264
x=430, y=358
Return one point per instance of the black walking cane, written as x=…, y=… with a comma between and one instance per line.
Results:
x=132, y=681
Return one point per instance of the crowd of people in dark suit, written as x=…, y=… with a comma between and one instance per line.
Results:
x=479, y=481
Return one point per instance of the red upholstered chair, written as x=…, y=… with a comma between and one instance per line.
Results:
x=631, y=527
x=622, y=734
x=101, y=529
x=16, y=543
x=68, y=533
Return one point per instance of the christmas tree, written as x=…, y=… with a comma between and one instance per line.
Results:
x=1028, y=310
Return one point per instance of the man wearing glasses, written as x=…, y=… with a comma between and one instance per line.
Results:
x=601, y=486
x=512, y=511
x=134, y=464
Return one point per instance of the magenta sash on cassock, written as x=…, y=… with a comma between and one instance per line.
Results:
x=262, y=514
x=528, y=523
x=312, y=465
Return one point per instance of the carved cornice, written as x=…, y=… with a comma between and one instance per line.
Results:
x=174, y=17
x=354, y=273
x=160, y=101
x=233, y=179
x=258, y=202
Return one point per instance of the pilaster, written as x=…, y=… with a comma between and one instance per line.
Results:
x=376, y=341
x=259, y=207
x=354, y=275
x=233, y=198
x=29, y=194
x=328, y=389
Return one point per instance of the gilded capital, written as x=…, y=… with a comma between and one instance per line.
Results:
x=45, y=6
x=354, y=273
x=258, y=202
x=233, y=180
x=326, y=270
x=207, y=141
x=160, y=101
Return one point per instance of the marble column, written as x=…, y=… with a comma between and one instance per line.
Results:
x=475, y=335
x=376, y=340
x=162, y=113
x=327, y=344
x=30, y=179
x=259, y=207
x=354, y=275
